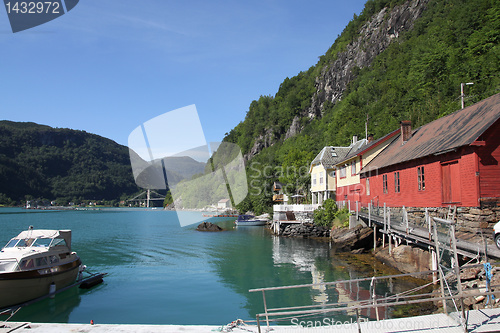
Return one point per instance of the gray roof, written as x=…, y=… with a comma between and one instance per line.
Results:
x=354, y=149
x=458, y=129
x=329, y=156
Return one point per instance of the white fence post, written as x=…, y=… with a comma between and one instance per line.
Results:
x=369, y=214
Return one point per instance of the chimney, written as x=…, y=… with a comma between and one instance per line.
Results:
x=405, y=130
x=370, y=138
x=354, y=139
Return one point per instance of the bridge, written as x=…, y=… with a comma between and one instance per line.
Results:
x=147, y=198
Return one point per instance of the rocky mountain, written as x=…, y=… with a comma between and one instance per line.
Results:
x=373, y=38
x=398, y=60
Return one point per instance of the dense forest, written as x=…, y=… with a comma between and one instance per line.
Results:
x=416, y=77
x=40, y=162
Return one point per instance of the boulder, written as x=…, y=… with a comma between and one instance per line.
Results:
x=352, y=239
x=207, y=226
x=406, y=259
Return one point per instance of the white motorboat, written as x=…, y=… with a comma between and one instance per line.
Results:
x=36, y=263
x=250, y=220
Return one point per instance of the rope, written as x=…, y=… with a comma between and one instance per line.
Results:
x=238, y=323
x=488, y=275
x=12, y=314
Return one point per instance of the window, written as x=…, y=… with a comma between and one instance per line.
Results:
x=314, y=179
x=367, y=186
x=54, y=259
x=342, y=173
x=41, y=261
x=58, y=242
x=27, y=264
x=353, y=167
x=384, y=183
x=332, y=174
x=397, y=188
x=42, y=242
x=421, y=178
x=321, y=177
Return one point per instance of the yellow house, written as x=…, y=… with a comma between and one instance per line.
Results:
x=323, y=174
x=348, y=175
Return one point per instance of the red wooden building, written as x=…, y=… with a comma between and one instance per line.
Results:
x=453, y=160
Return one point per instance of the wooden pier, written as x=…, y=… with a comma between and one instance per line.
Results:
x=422, y=236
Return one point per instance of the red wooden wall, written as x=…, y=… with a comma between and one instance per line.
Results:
x=488, y=161
x=450, y=179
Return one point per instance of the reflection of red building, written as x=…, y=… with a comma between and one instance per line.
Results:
x=351, y=292
x=452, y=160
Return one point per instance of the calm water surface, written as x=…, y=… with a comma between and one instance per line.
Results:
x=160, y=273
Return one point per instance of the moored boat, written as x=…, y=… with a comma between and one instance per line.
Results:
x=250, y=220
x=36, y=263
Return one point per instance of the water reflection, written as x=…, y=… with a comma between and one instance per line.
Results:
x=54, y=310
x=303, y=255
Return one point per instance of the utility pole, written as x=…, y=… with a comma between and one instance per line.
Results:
x=462, y=91
x=366, y=127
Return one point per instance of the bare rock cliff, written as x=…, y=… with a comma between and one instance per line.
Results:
x=374, y=37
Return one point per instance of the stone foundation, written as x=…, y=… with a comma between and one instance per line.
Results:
x=470, y=220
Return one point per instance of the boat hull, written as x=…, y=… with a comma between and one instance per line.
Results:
x=251, y=223
x=20, y=287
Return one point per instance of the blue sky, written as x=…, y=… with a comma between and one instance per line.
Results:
x=108, y=66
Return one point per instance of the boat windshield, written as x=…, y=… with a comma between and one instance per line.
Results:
x=42, y=242
x=12, y=243
x=20, y=242
x=36, y=242
x=245, y=217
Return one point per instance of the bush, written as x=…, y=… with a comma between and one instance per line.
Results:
x=328, y=215
x=342, y=218
x=325, y=214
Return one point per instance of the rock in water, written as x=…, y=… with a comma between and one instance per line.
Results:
x=207, y=226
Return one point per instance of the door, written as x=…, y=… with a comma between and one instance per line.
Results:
x=451, y=182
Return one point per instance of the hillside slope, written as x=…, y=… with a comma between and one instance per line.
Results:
x=53, y=163
x=398, y=60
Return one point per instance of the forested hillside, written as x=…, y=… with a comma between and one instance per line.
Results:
x=397, y=60
x=38, y=161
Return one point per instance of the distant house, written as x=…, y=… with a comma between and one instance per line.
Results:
x=278, y=193
x=224, y=204
x=347, y=176
x=323, y=174
x=349, y=185
x=453, y=160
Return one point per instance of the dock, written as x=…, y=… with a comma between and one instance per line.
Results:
x=220, y=215
x=480, y=321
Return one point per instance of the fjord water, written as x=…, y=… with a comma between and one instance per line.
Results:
x=160, y=273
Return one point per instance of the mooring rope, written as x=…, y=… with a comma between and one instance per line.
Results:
x=488, y=275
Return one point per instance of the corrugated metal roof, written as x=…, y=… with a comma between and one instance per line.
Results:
x=458, y=129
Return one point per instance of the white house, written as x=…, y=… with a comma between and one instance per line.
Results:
x=224, y=204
